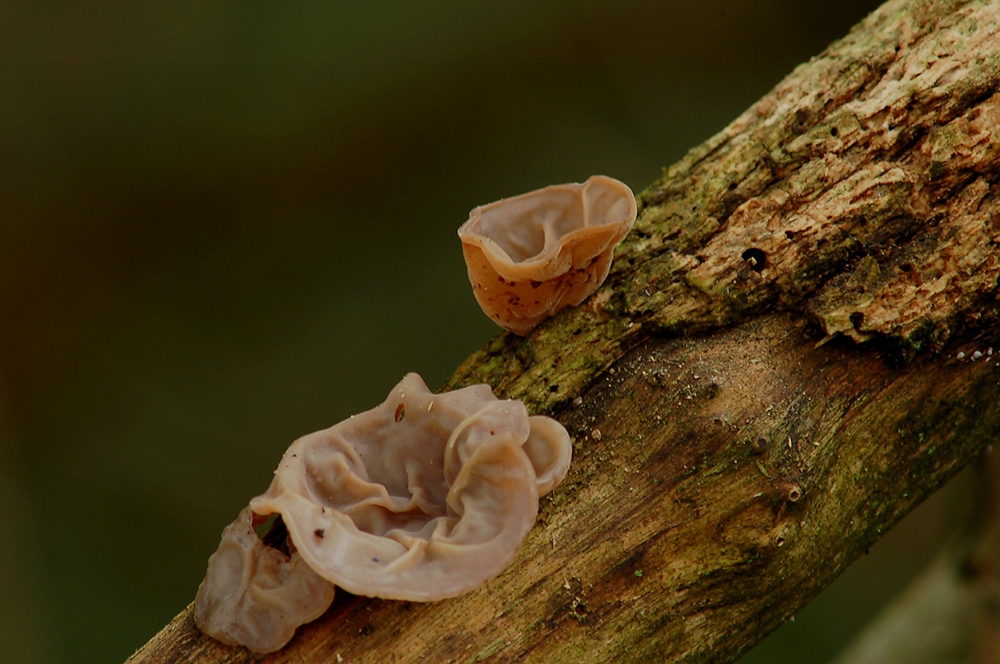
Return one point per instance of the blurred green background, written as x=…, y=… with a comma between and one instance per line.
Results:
x=224, y=225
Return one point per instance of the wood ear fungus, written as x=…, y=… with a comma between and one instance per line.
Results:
x=533, y=255
x=422, y=507
x=423, y=497
x=254, y=595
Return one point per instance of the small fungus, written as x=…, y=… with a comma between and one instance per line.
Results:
x=533, y=255
x=254, y=595
x=418, y=507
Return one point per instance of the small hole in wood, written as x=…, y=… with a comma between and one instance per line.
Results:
x=756, y=258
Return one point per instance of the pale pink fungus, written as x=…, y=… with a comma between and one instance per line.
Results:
x=533, y=255
x=254, y=595
x=421, y=498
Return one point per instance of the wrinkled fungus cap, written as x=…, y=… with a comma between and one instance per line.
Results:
x=421, y=498
x=254, y=595
x=533, y=255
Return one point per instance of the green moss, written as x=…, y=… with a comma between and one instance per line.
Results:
x=491, y=648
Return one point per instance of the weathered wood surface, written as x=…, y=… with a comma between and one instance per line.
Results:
x=767, y=382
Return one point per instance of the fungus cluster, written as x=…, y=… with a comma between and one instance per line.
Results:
x=531, y=256
x=424, y=497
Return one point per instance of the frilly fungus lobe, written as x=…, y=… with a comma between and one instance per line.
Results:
x=421, y=498
x=533, y=255
x=256, y=596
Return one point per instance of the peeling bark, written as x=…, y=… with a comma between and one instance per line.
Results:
x=766, y=383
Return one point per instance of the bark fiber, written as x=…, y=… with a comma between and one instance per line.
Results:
x=770, y=378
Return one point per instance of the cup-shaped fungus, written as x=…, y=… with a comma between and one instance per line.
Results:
x=533, y=255
x=254, y=595
x=424, y=497
x=421, y=498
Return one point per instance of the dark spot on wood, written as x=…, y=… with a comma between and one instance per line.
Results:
x=626, y=568
x=730, y=201
x=803, y=119
x=756, y=257
x=319, y=532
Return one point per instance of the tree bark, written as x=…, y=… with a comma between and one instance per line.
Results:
x=791, y=352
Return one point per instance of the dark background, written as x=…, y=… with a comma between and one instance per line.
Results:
x=224, y=225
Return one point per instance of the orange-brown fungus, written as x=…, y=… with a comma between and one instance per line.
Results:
x=533, y=255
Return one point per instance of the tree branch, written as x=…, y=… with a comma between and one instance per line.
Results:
x=729, y=462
